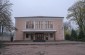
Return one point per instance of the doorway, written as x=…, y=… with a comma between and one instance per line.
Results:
x=39, y=37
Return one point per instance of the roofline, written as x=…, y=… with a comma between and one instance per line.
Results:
x=40, y=17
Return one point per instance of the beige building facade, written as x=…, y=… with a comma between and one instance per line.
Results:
x=39, y=28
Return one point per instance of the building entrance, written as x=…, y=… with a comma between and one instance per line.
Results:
x=39, y=37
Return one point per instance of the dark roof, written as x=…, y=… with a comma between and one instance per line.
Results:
x=40, y=17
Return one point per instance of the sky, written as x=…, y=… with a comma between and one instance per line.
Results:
x=41, y=8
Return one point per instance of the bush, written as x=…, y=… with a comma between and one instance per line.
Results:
x=81, y=36
x=67, y=37
x=1, y=44
x=74, y=36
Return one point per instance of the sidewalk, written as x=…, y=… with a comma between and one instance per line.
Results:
x=43, y=43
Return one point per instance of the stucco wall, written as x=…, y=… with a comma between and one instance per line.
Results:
x=57, y=22
x=60, y=29
x=5, y=38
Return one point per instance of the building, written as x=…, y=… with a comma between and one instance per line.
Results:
x=39, y=28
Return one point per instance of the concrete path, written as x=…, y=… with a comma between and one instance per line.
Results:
x=43, y=43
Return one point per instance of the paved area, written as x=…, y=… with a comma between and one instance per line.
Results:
x=43, y=43
x=77, y=49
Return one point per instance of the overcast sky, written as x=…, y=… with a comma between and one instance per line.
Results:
x=40, y=7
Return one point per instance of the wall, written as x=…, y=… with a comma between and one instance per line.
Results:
x=5, y=38
x=60, y=29
x=58, y=26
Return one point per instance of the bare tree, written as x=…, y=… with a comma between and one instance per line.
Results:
x=5, y=14
x=67, y=25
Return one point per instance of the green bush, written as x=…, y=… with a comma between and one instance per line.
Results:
x=67, y=37
x=74, y=36
x=1, y=44
x=81, y=36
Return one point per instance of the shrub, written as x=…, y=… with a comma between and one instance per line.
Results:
x=1, y=44
x=74, y=36
x=81, y=36
x=67, y=36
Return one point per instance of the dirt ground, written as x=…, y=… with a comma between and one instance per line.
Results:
x=76, y=49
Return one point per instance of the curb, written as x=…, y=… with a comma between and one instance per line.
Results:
x=42, y=43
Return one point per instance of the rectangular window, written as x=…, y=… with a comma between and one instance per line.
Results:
x=49, y=25
x=46, y=24
x=29, y=25
x=27, y=35
x=39, y=25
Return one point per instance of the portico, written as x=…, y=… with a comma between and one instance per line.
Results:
x=39, y=35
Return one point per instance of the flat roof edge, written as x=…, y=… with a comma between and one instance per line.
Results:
x=39, y=17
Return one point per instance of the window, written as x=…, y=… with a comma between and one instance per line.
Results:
x=29, y=25
x=51, y=24
x=44, y=24
x=48, y=24
x=27, y=35
x=39, y=24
